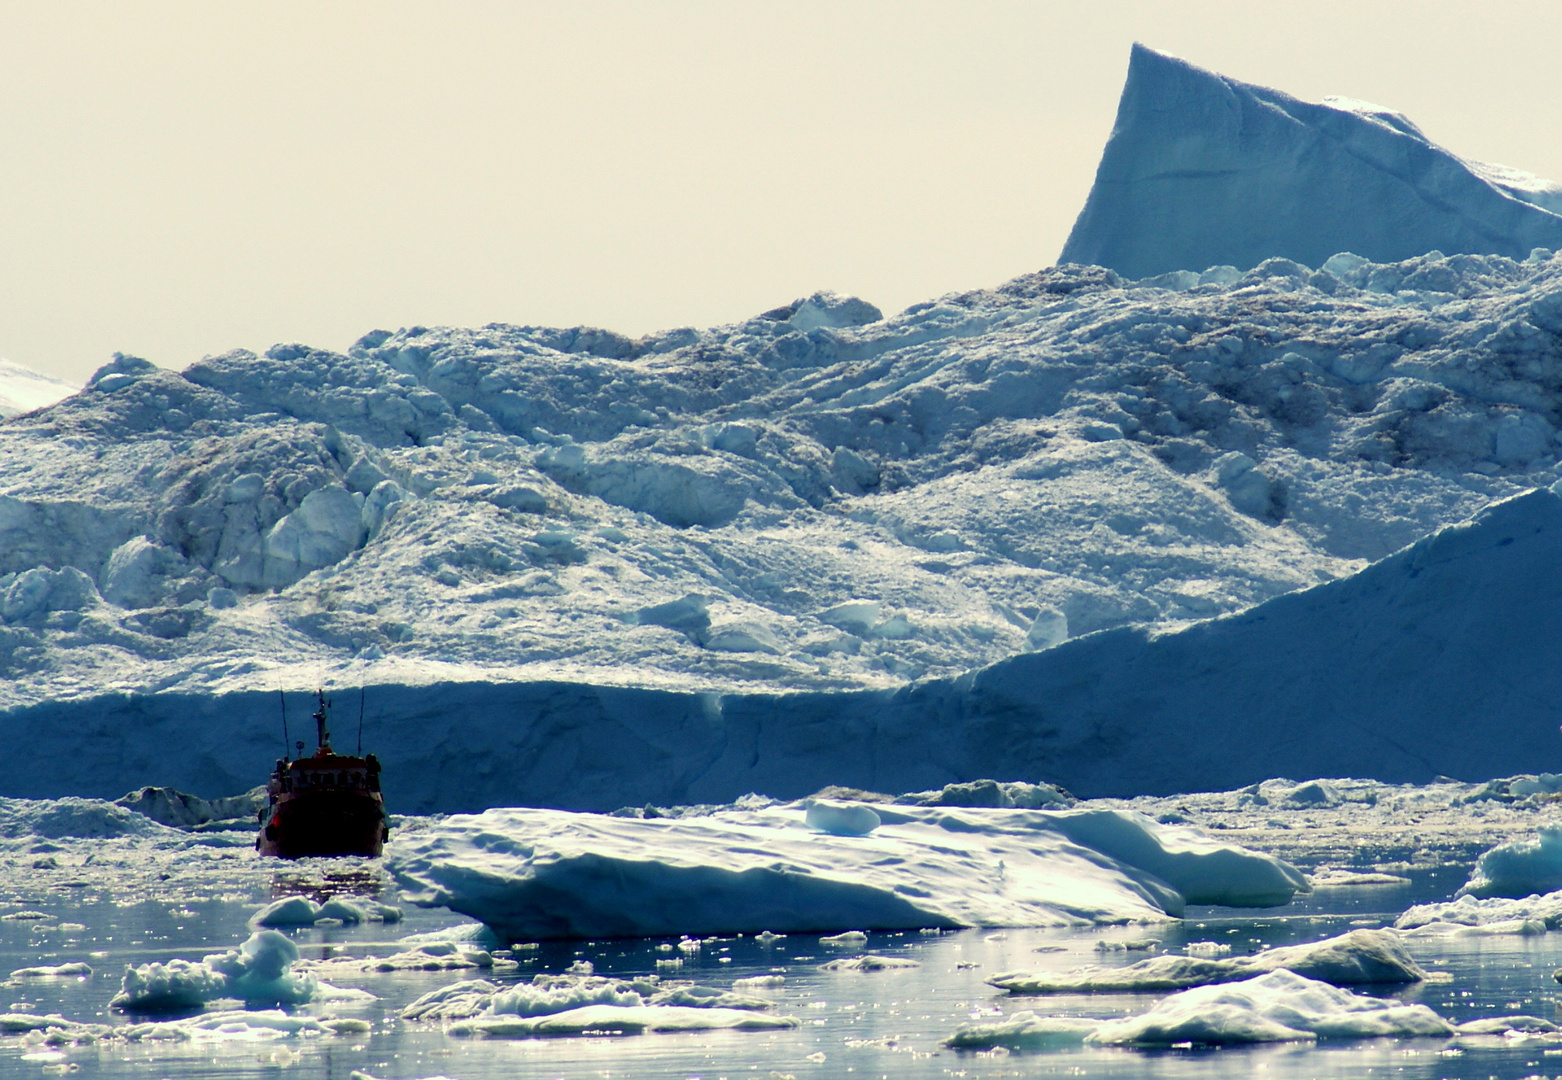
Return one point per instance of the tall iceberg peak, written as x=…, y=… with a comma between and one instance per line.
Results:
x=1201, y=170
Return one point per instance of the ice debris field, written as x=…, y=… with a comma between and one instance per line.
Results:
x=909, y=937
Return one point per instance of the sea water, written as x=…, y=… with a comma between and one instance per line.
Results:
x=879, y=1024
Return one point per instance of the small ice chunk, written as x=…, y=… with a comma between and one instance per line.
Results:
x=289, y=911
x=759, y=982
x=1023, y=1031
x=54, y=972
x=473, y=933
x=1278, y=1007
x=869, y=962
x=1519, y=868
x=170, y=987
x=1502, y=1025
x=237, y=1025
x=1469, y=913
x=551, y=997
x=345, y=910
x=851, y=939
x=619, y=1020
x=841, y=819
x=258, y=971
x=855, y=616
x=1361, y=956
x=1049, y=628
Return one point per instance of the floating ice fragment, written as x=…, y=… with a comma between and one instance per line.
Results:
x=869, y=962
x=841, y=819
x=1280, y=1006
x=759, y=982
x=302, y=911
x=619, y=1020
x=1359, y=957
x=1469, y=912
x=1023, y=1031
x=540, y=873
x=289, y=911
x=259, y=971
x=1519, y=868
x=240, y=1026
x=48, y=972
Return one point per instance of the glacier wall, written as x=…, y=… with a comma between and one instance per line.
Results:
x=817, y=499
x=1443, y=659
x=1201, y=170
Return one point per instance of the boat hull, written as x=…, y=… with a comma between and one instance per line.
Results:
x=324, y=823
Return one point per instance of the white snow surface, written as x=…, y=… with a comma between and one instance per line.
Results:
x=532, y=874
x=1205, y=171
x=561, y=520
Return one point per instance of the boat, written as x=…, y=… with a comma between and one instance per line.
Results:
x=325, y=804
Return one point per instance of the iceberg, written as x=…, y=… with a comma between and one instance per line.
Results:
x=1204, y=171
x=532, y=874
x=1520, y=868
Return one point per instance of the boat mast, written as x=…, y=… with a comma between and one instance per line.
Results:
x=322, y=722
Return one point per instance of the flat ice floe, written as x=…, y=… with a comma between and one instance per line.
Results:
x=1533, y=914
x=542, y=874
x=1280, y=1006
x=1359, y=957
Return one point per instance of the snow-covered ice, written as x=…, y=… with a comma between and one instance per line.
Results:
x=545, y=874
x=1205, y=171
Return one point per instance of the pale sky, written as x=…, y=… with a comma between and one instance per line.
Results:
x=178, y=179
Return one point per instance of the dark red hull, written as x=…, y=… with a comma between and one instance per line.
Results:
x=324, y=823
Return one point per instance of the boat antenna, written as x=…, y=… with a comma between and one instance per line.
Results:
x=360, y=719
x=287, y=743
